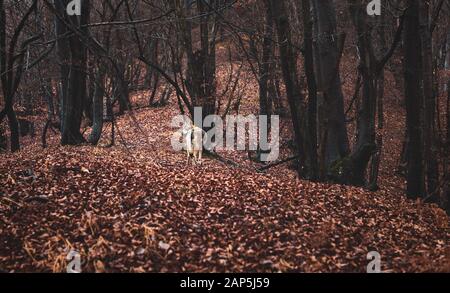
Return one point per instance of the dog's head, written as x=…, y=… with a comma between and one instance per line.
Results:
x=187, y=126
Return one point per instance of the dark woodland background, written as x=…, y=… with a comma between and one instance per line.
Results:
x=86, y=161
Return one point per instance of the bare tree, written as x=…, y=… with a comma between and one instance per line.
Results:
x=72, y=52
x=12, y=66
x=328, y=46
x=370, y=68
x=291, y=81
x=414, y=100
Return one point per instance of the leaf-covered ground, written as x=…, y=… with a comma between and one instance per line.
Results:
x=137, y=207
x=141, y=209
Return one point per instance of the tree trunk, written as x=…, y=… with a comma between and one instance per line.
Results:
x=312, y=86
x=154, y=75
x=201, y=63
x=365, y=138
x=446, y=189
x=124, y=95
x=99, y=93
x=123, y=91
x=151, y=74
x=11, y=69
x=376, y=159
x=265, y=102
x=72, y=55
x=413, y=100
x=88, y=104
x=3, y=140
x=14, y=129
x=429, y=105
x=447, y=57
x=265, y=64
x=333, y=131
x=289, y=68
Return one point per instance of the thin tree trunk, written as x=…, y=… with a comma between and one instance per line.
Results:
x=365, y=131
x=14, y=129
x=288, y=65
x=429, y=105
x=264, y=70
x=312, y=86
x=99, y=93
x=376, y=159
x=11, y=69
x=3, y=140
x=265, y=64
x=446, y=189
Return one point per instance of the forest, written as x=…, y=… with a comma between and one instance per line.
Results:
x=224, y=136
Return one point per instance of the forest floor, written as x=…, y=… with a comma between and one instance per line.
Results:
x=137, y=207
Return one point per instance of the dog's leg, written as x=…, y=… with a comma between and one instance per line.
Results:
x=200, y=152
x=194, y=155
